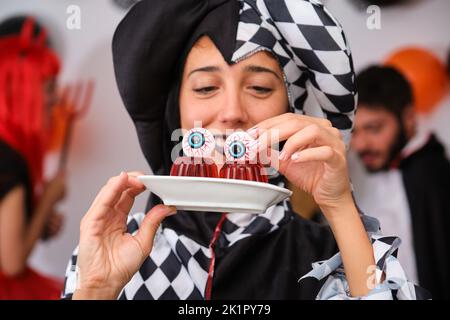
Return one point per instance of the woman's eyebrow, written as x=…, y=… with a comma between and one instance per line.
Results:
x=258, y=69
x=206, y=69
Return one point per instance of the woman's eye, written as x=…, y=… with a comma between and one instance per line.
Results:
x=205, y=90
x=261, y=90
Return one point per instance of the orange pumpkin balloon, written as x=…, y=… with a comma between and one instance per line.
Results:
x=426, y=74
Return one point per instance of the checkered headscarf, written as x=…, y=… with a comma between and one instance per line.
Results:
x=311, y=48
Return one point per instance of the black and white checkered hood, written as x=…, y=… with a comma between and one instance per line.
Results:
x=312, y=50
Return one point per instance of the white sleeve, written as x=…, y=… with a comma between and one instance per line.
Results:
x=395, y=286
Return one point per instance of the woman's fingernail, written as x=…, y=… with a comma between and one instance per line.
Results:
x=172, y=210
x=282, y=156
x=295, y=156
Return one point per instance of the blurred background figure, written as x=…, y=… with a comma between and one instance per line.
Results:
x=408, y=185
x=28, y=71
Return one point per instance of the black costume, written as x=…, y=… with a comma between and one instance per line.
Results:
x=426, y=177
x=14, y=173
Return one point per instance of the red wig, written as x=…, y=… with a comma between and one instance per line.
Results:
x=25, y=64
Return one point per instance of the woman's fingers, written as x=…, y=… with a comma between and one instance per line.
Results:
x=135, y=173
x=300, y=133
x=112, y=193
x=322, y=154
x=311, y=136
x=285, y=120
x=126, y=200
x=283, y=127
x=150, y=225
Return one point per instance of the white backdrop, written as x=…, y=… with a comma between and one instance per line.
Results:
x=105, y=142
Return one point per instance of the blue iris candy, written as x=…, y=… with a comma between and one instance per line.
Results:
x=237, y=149
x=196, y=140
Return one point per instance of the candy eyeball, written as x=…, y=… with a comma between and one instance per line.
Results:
x=198, y=142
x=241, y=147
x=241, y=155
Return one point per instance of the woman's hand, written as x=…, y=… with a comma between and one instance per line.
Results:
x=109, y=256
x=54, y=192
x=313, y=157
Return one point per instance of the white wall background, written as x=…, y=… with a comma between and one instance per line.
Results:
x=105, y=142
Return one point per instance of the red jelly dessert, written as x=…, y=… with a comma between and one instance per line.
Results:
x=241, y=152
x=243, y=171
x=194, y=167
x=198, y=145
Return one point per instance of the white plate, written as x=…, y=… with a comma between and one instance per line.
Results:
x=215, y=194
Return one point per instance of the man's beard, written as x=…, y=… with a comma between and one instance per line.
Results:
x=394, y=151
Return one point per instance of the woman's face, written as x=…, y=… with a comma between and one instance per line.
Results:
x=230, y=97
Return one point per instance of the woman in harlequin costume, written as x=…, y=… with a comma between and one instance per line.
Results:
x=27, y=206
x=236, y=65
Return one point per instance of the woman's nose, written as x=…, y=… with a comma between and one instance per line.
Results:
x=233, y=112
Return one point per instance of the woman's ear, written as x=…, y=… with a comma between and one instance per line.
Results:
x=409, y=121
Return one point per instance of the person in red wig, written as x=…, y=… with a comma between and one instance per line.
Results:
x=28, y=69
